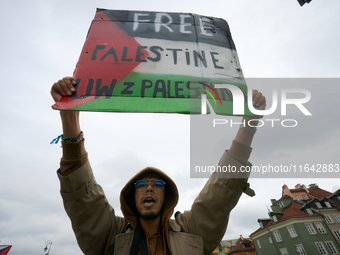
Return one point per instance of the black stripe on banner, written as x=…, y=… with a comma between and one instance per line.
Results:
x=172, y=26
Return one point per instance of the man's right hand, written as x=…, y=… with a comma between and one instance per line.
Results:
x=63, y=87
x=69, y=119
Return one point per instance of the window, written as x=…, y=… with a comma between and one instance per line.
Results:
x=297, y=197
x=300, y=249
x=328, y=204
x=246, y=244
x=331, y=247
x=304, y=197
x=270, y=239
x=261, y=224
x=275, y=218
x=309, y=211
x=284, y=251
x=318, y=205
x=282, y=204
x=277, y=236
x=310, y=228
x=292, y=231
x=328, y=219
x=258, y=243
x=321, y=248
x=337, y=217
x=337, y=234
x=320, y=227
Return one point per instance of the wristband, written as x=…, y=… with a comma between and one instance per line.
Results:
x=68, y=139
x=73, y=138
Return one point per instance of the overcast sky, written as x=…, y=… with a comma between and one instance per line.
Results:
x=41, y=42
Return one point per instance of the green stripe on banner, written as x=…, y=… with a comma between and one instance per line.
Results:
x=133, y=104
x=144, y=92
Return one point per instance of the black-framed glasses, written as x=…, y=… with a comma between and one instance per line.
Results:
x=157, y=185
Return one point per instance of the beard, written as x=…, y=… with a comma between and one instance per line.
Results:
x=150, y=215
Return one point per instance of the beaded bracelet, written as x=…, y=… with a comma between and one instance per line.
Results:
x=68, y=139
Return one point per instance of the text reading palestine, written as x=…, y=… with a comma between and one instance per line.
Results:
x=126, y=54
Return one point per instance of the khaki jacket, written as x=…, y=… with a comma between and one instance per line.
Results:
x=196, y=231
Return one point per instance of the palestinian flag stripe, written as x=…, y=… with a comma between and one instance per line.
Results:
x=162, y=93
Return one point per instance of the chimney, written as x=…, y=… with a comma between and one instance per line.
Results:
x=305, y=188
x=241, y=237
x=286, y=191
x=298, y=186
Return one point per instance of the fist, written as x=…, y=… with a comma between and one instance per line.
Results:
x=259, y=100
x=63, y=87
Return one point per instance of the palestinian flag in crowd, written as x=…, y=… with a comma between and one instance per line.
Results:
x=138, y=61
x=4, y=249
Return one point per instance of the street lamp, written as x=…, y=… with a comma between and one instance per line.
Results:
x=48, y=247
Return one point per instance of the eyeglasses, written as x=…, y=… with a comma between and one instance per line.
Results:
x=157, y=185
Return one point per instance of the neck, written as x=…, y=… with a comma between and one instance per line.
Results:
x=150, y=227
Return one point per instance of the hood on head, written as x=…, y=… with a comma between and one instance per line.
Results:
x=127, y=196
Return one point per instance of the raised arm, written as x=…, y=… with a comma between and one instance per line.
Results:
x=74, y=153
x=209, y=214
x=240, y=148
x=93, y=219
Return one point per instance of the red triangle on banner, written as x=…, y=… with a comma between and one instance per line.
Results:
x=108, y=50
x=4, y=249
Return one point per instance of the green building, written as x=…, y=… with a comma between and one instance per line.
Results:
x=303, y=221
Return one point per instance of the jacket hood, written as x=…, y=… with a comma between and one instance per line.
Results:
x=127, y=196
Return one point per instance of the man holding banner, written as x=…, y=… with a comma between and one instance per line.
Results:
x=148, y=199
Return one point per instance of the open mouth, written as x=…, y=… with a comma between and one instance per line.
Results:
x=149, y=201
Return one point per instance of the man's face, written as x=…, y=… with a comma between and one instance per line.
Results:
x=149, y=203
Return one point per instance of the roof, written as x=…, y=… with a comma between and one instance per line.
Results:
x=279, y=201
x=319, y=193
x=293, y=211
x=285, y=197
x=313, y=192
x=225, y=243
x=263, y=219
x=238, y=246
x=336, y=193
x=290, y=211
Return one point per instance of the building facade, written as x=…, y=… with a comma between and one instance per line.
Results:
x=303, y=221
